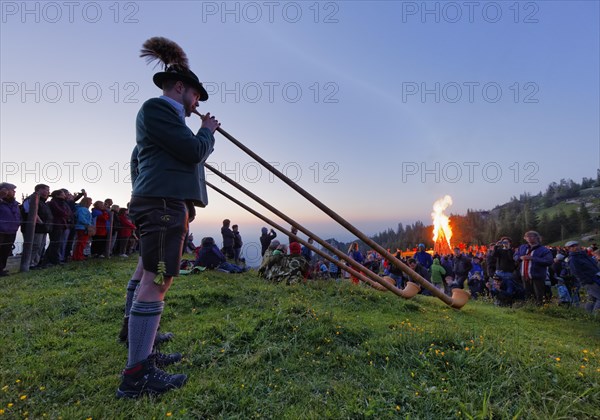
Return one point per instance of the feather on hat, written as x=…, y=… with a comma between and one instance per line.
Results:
x=174, y=59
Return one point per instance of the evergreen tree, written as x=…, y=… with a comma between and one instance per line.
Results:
x=545, y=228
x=530, y=219
x=585, y=220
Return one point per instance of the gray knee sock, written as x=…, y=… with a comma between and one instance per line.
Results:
x=144, y=319
x=131, y=287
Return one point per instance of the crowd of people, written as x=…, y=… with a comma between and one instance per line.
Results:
x=502, y=272
x=67, y=226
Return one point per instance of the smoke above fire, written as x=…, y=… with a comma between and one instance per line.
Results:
x=442, y=232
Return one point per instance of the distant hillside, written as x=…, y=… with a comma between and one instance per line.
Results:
x=566, y=210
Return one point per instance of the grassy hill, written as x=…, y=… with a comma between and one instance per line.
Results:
x=320, y=350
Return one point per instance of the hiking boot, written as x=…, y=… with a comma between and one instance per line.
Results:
x=124, y=330
x=146, y=378
x=163, y=337
x=165, y=359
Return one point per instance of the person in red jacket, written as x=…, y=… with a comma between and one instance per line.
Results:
x=100, y=216
x=126, y=229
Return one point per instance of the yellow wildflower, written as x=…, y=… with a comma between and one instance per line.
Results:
x=169, y=414
x=23, y=397
x=557, y=359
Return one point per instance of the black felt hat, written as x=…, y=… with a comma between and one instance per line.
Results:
x=175, y=62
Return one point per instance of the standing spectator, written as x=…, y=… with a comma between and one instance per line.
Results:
x=490, y=262
x=503, y=259
x=534, y=259
x=114, y=229
x=43, y=224
x=237, y=244
x=395, y=273
x=10, y=219
x=421, y=271
x=71, y=200
x=460, y=267
x=62, y=216
x=168, y=185
x=307, y=252
x=108, y=204
x=265, y=239
x=438, y=272
x=83, y=225
x=100, y=219
x=295, y=232
x=423, y=257
x=585, y=269
x=126, y=229
x=228, y=239
x=356, y=255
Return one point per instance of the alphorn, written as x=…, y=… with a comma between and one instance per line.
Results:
x=459, y=297
x=375, y=281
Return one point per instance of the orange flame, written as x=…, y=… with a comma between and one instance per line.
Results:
x=441, y=222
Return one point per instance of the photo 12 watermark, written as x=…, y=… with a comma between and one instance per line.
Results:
x=427, y=12
x=326, y=12
x=273, y=92
x=52, y=12
x=470, y=92
x=86, y=173
x=470, y=172
x=252, y=172
x=69, y=92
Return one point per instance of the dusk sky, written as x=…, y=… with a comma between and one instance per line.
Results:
x=378, y=108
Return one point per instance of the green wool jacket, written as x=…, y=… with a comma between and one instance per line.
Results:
x=168, y=159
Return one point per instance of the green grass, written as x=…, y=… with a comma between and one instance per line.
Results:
x=321, y=350
x=554, y=210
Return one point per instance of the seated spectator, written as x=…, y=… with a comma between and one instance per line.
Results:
x=475, y=277
x=564, y=297
x=449, y=284
x=323, y=273
x=211, y=257
x=281, y=267
x=505, y=291
x=334, y=270
x=189, y=244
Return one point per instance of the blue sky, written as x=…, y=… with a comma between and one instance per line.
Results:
x=376, y=108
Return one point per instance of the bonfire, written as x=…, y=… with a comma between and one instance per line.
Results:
x=442, y=232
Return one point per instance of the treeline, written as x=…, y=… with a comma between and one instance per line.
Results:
x=545, y=212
